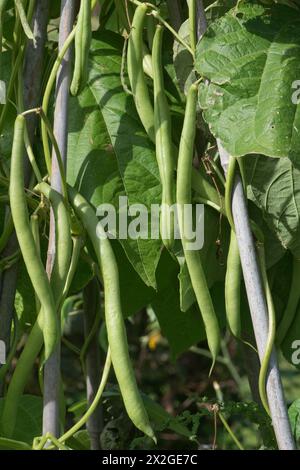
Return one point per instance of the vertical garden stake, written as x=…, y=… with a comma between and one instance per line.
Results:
x=258, y=309
x=256, y=297
x=52, y=366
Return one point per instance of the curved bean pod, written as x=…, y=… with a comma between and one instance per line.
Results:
x=113, y=314
x=136, y=73
x=163, y=138
x=271, y=331
x=31, y=257
x=83, y=37
x=63, y=240
x=233, y=287
x=184, y=193
x=35, y=339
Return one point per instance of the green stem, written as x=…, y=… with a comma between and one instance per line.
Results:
x=228, y=190
x=272, y=331
x=207, y=202
x=23, y=20
x=60, y=162
x=156, y=15
x=230, y=432
x=175, y=34
x=192, y=24
x=47, y=95
x=27, y=142
x=95, y=403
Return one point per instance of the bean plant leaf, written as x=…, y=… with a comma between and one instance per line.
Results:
x=274, y=186
x=291, y=343
x=11, y=444
x=212, y=258
x=29, y=418
x=109, y=153
x=251, y=58
x=183, y=60
x=294, y=415
x=182, y=329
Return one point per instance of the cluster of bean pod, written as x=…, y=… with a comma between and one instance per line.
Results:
x=52, y=292
x=178, y=179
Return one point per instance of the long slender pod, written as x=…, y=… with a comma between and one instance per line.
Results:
x=142, y=99
x=136, y=73
x=61, y=270
x=228, y=190
x=83, y=37
x=271, y=330
x=233, y=287
x=163, y=139
x=193, y=260
x=291, y=308
x=24, y=20
x=34, y=225
x=63, y=240
x=31, y=257
x=113, y=313
x=77, y=245
x=234, y=269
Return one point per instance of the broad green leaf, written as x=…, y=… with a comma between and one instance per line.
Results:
x=83, y=275
x=11, y=444
x=274, y=186
x=186, y=291
x=80, y=441
x=183, y=60
x=164, y=420
x=29, y=418
x=291, y=343
x=182, y=330
x=213, y=260
x=274, y=250
x=8, y=123
x=252, y=60
x=135, y=294
x=294, y=415
x=109, y=153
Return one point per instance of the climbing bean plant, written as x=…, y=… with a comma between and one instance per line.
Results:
x=103, y=101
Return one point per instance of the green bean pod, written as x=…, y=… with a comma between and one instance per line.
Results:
x=137, y=78
x=233, y=287
x=291, y=308
x=184, y=196
x=164, y=146
x=28, y=248
x=63, y=240
x=35, y=340
x=83, y=37
x=263, y=373
x=35, y=230
x=113, y=314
